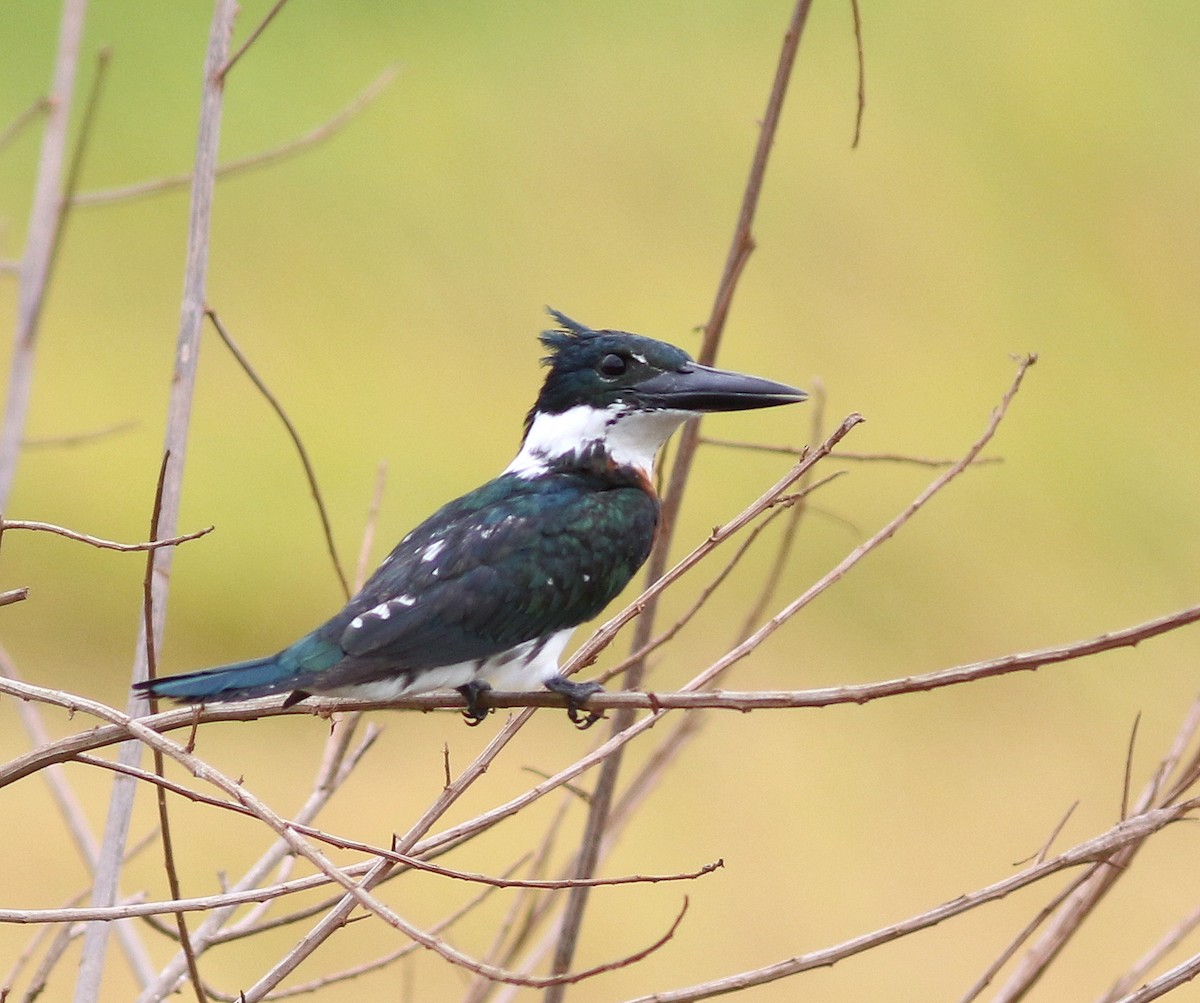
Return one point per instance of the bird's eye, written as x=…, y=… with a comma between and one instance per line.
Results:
x=612, y=365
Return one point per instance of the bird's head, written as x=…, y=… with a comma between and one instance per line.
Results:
x=625, y=394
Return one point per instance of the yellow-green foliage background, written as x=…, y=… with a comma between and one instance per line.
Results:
x=1027, y=180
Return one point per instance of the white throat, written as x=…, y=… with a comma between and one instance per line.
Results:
x=631, y=437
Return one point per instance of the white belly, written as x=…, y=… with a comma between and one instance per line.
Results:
x=519, y=668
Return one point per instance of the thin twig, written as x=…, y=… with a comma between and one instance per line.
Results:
x=77, y=438
x=1072, y=914
x=1025, y=933
x=14, y=128
x=743, y=243
x=862, y=74
x=1171, y=940
x=1181, y=974
x=164, y=822
x=251, y=39
x=289, y=149
x=783, y=552
x=294, y=435
x=841, y=454
x=1095, y=853
x=95, y=541
x=362, y=566
x=75, y=819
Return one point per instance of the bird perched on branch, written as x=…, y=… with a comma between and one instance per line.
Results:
x=487, y=590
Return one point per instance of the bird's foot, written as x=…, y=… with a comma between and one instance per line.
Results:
x=472, y=691
x=577, y=695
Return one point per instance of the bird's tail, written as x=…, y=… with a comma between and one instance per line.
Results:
x=258, y=677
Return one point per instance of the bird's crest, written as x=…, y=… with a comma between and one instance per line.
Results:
x=566, y=334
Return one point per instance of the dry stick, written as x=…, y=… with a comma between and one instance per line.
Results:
x=271, y=156
x=723, y=664
x=95, y=541
x=841, y=454
x=76, y=821
x=781, y=505
x=309, y=472
x=1142, y=967
x=689, y=614
x=862, y=71
x=375, y=964
x=1182, y=739
x=362, y=566
x=69, y=748
x=524, y=914
x=47, y=222
x=10, y=596
x=1075, y=911
x=1028, y=931
x=18, y=124
x=1096, y=852
x=27, y=692
x=251, y=39
x=362, y=897
x=78, y=438
x=735, y=261
x=164, y=822
x=345, y=843
x=379, y=871
x=87, y=987
x=783, y=553
x=1180, y=975
x=635, y=793
x=336, y=766
x=45, y=216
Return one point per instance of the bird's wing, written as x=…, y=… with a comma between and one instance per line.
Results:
x=510, y=562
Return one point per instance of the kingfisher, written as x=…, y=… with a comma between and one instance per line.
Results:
x=487, y=591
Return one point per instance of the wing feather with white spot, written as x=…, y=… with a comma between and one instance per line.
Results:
x=512, y=561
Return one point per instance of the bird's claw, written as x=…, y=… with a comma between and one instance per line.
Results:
x=473, y=714
x=577, y=695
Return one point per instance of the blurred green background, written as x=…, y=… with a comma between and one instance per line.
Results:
x=1027, y=181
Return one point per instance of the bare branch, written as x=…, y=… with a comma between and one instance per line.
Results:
x=267, y=157
x=1181, y=974
x=14, y=128
x=842, y=454
x=77, y=438
x=251, y=39
x=75, y=819
x=164, y=822
x=10, y=596
x=1171, y=940
x=862, y=71
x=45, y=216
x=294, y=435
x=87, y=986
x=735, y=262
x=95, y=541
x=1095, y=853
x=72, y=746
